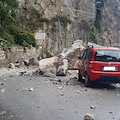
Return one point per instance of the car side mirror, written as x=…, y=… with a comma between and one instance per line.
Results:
x=79, y=58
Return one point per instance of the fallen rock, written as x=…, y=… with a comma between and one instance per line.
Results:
x=11, y=65
x=33, y=62
x=2, y=83
x=2, y=90
x=77, y=65
x=62, y=68
x=31, y=89
x=3, y=113
x=62, y=94
x=48, y=74
x=18, y=65
x=22, y=73
x=89, y=116
x=26, y=62
x=38, y=72
x=48, y=63
x=92, y=107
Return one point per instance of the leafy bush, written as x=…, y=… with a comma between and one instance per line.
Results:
x=93, y=37
x=6, y=36
x=3, y=44
x=25, y=44
x=23, y=37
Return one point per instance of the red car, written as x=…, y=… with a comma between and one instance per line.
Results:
x=100, y=64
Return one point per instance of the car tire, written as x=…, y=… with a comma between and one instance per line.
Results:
x=79, y=77
x=88, y=82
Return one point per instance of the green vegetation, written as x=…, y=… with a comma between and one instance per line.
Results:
x=99, y=6
x=10, y=31
x=93, y=37
x=45, y=54
x=23, y=37
x=18, y=28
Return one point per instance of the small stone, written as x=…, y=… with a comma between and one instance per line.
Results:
x=118, y=95
x=89, y=116
x=92, y=107
x=77, y=91
x=111, y=113
x=62, y=94
x=59, y=80
x=3, y=113
x=67, y=83
x=2, y=83
x=3, y=90
x=62, y=108
x=31, y=89
x=60, y=88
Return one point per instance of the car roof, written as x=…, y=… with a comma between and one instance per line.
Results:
x=104, y=48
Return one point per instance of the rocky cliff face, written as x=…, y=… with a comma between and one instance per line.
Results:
x=82, y=13
x=110, y=23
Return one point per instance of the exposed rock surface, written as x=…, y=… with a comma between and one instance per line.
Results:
x=72, y=53
x=89, y=116
x=48, y=63
x=62, y=67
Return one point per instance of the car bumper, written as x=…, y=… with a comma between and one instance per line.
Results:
x=104, y=76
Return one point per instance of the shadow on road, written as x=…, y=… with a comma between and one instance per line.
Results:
x=74, y=82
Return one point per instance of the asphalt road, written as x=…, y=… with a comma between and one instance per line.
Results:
x=62, y=98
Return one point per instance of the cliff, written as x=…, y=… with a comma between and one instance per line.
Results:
x=83, y=14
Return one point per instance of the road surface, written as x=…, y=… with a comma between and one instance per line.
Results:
x=60, y=98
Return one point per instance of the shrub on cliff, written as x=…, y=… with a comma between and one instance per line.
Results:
x=93, y=37
x=23, y=37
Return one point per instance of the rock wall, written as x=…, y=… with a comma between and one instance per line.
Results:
x=110, y=23
x=81, y=12
x=14, y=54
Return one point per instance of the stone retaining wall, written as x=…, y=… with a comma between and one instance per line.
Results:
x=13, y=54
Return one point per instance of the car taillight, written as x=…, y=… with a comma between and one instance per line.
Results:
x=91, y=64
x=93, y=55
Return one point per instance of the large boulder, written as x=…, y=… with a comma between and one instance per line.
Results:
x=62, y=67
x=49, y=64
x=72, y=53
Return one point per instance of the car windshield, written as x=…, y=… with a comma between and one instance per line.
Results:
x=107, y=55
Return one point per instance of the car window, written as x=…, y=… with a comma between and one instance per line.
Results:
x=84, y=55
x=88, y=55
x=107, y=55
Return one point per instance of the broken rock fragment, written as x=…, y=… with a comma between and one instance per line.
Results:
x=89, y=116
x=92, y=107
x=31, y=89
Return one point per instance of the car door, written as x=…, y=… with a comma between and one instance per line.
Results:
x=85, y=61
x=82, y=63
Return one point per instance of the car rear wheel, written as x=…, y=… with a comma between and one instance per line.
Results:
x=88, y=82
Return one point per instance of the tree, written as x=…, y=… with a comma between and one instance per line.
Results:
x=7, y=15
x=93, y=37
